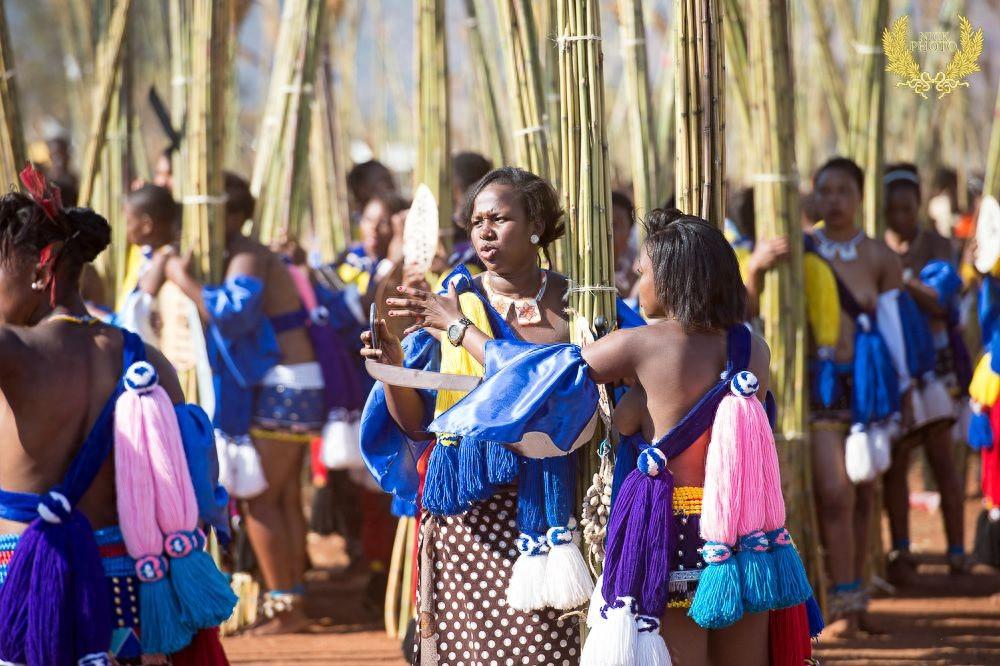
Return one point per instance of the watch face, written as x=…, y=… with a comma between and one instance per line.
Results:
x=453, y=332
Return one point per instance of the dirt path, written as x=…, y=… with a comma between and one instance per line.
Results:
x=941, y=620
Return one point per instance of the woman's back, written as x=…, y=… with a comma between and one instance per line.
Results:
x=673, y=370
x=55, y=378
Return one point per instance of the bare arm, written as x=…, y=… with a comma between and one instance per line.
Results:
x=612, y=358
x=891, y=269
x=405, y=404
x=167, y=375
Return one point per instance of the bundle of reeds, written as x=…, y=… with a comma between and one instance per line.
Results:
x=203, y=228
x=665, y=121
x=866, y=110
x=532, y=148
x=484, y=85
x=830, y=75
x=281, y=170
x=11, y=134
x=700, y=110
x=640, y=118
x=734, y=32
x=107, y=84
x=991, y=185
x=776, y=203
x=328, y=185
x=434, y=144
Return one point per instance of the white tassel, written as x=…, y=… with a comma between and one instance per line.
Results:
x=596, y=603
x=881, y=448
x=650, y=648
x=527, y=576
x=937, y=401
x=341, y=447
x=613, y=640
x=567, y=580
x=225, y=464
x=858, y=455
x=248, y=474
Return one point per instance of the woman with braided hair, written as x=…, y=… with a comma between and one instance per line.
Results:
x=84, y=422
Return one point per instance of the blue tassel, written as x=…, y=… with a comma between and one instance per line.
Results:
x=163, y=631
x=876, y=386
x=826, y=385
x=920, y=354
x=501, y=464
x=980, y=432
x=441, y=495
x=792, y=584
x=531, y=497
x=402, y=508
x=205, y=598
x=473, y=484
x=815, y=615
x=718, y=601
x=559, y=476
x=756, y=573
x=626, y=458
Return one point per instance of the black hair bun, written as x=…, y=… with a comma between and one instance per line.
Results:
x=659, y=219
x=91, y=233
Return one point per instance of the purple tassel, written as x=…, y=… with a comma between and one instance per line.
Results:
x=637, y=563
x=54, y=606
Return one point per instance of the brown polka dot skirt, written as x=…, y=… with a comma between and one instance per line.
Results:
x=465, y=564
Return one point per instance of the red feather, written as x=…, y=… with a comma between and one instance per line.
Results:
x=46, y=195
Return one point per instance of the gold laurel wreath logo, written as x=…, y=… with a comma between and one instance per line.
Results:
x=901, y=62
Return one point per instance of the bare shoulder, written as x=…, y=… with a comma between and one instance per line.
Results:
x=12, y=347
x=247, y=257
x=167, y=374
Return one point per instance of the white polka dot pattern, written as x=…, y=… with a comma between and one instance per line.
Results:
x=472, y=624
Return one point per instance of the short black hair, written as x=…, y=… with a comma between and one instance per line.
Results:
x=740, y=209
x=902, y=175
x=157, y=202
x=695, y=271
x=468, y=168
x=537, y=196
x=848, y=166
x=621, y=200
x=363, y=175
x=239, y=199
x=24, y=227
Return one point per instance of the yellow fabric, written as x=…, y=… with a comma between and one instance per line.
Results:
x=822, y=302
x=456, y=360
x=687, y=500
x=354, y=275
x=743, y=258
x=985, y=385
x=131, y=278
x=968, y=273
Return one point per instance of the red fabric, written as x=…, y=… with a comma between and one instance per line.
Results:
x=45, y=194
x=991, y=460
x=788, y=636
x=204, y=650
x=320, y=473
x=378, y=525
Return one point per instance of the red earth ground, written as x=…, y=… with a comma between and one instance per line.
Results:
x=939, y=620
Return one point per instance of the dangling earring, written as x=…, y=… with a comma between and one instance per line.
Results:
x=534, y=239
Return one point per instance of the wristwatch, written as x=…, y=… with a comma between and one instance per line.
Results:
x=456, y=331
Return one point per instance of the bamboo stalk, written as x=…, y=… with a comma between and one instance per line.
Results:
x=11, y=134
x=433, y=149
x=281, y=173
x=867, y=111
x=108, y=74
x=991, y=186
x=532, y=148
x=734, y=32
x=643, y=149
x=699, y=169
x=484, y=85
x=830, y=74
x=205, y=136
x=776, y=202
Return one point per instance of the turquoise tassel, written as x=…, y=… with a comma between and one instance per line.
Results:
x=792, y=585
x=163, y=631
x=472, y=473
x=756, y=573
x=718, y=601
x=441, y=495
x=205, y=598
x=501, y=464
